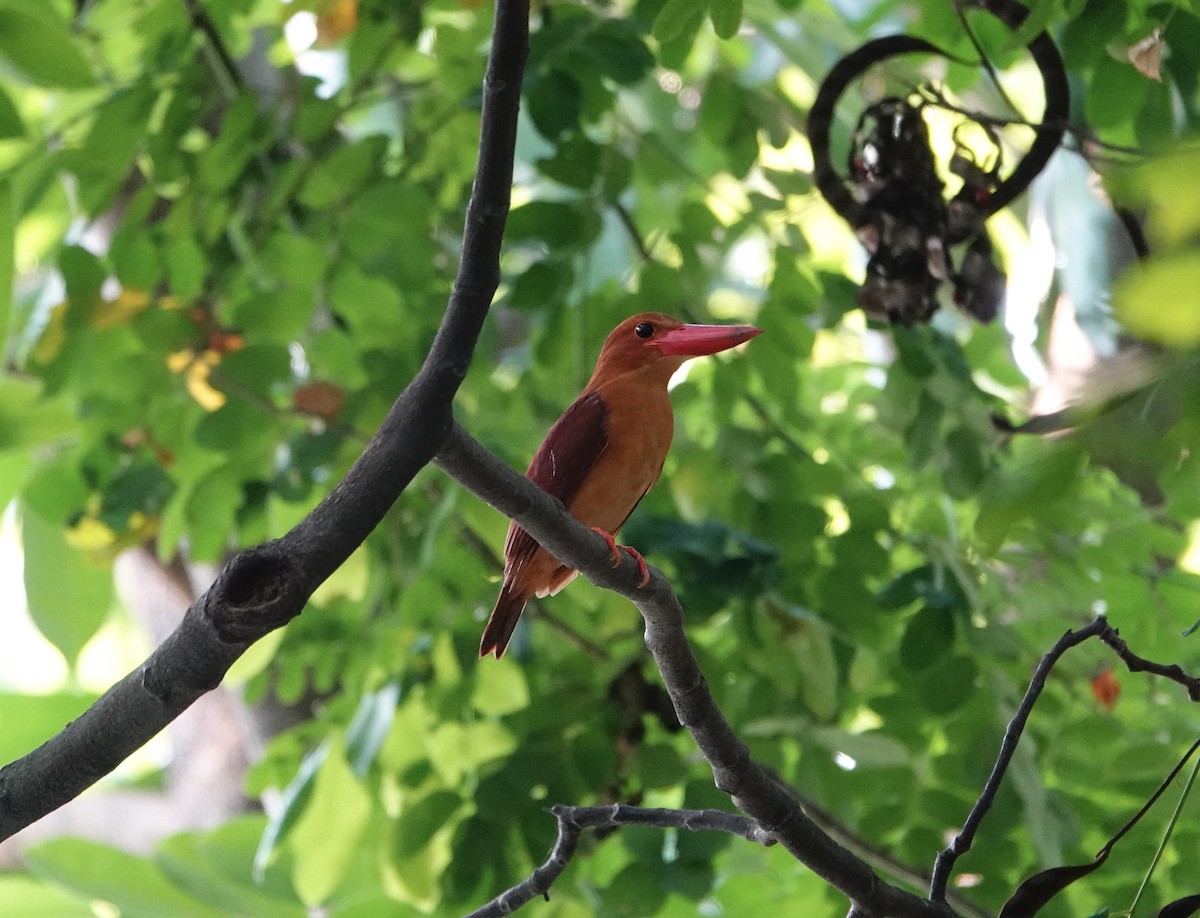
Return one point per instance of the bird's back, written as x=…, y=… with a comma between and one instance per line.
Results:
x=599, y=459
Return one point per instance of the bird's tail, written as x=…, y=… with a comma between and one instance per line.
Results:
x=504, y=620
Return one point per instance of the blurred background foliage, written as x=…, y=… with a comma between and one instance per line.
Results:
x=227, y=233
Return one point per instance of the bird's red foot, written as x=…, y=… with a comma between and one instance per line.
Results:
x=633, y=553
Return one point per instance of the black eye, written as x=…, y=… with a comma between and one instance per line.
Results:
x=644, y=330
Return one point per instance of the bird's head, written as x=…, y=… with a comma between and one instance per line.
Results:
x=654, y=339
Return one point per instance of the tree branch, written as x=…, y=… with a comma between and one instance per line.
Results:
x=944, y=863
x=1136, y=664
x=751, y=788
x=1100, y=628
x=263, y=588
x=880, y=858
x=572, y=820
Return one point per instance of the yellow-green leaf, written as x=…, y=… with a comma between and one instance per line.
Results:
x=1159, y=300
x=325, y=838
x=38, y=43
x=68, y=595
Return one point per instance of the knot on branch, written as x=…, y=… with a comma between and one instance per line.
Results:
x=258, y=591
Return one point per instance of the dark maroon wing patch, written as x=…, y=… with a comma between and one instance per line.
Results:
x=563, y=460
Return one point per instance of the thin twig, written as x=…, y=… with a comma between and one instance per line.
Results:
x=984, y=60
x=880, y=858
x=573, y=820
x=572, y=635
x=484, y=552
x=635, y=234
x=946, y=858
x=620, y=814
x=1170, y=829
x=226, y=70
x=931, y=95
x=1137, y=664
x=1099, y=628
x=1162, y=788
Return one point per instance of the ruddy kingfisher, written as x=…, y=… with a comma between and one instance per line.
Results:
x=605, y=452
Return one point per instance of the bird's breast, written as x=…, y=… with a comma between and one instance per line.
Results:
x=640, y=426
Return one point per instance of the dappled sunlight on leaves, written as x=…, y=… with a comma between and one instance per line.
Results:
x=225, y=275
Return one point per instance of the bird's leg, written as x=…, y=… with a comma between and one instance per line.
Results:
x=633, y=553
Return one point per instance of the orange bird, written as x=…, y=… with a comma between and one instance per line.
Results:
x=605, y=452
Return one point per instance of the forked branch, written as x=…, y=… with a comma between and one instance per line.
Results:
x=751, y=788
x=573, y=820
x=1099, y=628
x=263, y=588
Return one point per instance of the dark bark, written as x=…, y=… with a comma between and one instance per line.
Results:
x=265, y=587
x=573, y=820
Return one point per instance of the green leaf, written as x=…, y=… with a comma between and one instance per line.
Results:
x=1159, y=300
x=1116, y=89
x=293, y=261
x=370, y=727
x=1031, y=488
x=37, y=42
x=907, y=588
x=723, y=99
x=8, y=219
x=214, y=867
x=187, y=266
x=949, y=684
x=137, y=259
x=27, y=418
x=25, y=896
x=618, y=51
x=674, y=17
x=211, y=511
x=367, y=303
x=133, y=885
x=635, y=891
x=420, y=820
x=1174, y=200
x=14, y=466
x=500, y=689
x=811, y=640
x=927, y=639
x=68, y=596
x=726, y=17
x=544, y=282
x=967, y=465
x=555, y=101
x=872, y=750
x=219, y=166
x=258, y=368
x=336, y=355
x=326, y=837
x=30, y=720
x=574, y=164
x=659, y=765
x=567, y=224
x=56, y=489
x=279, y=316
x=291, y=804
x=922, y=435
x=11, y=125
x=336, y=177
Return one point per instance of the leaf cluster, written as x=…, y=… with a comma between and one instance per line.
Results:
x=227, y=267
